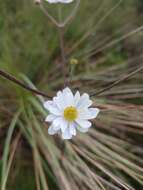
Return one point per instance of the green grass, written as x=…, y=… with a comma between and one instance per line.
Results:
x=102, y=38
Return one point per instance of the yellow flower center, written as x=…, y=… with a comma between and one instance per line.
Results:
x=70, y=113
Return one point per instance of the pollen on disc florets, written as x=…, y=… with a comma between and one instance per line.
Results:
x=70, y=113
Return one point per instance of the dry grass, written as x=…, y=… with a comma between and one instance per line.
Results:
x=109, y=157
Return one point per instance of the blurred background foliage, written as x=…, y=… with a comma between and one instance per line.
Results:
x=107, y=40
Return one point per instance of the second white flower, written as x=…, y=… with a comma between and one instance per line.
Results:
x=59, y=1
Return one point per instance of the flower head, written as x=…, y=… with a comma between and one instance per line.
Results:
x=59, y=1
x=69, y=113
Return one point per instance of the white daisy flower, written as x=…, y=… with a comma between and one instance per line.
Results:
x=69, y=113
x=59, y=1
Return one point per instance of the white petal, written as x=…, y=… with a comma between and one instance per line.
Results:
x=94, y=112
x=59, y=102
x=76, y=98
x=59, y=93
x=89, y=113
x=68, y=97
x=56, y=123
x=67, y=90
x=56, y=127
x=66, y=134
x=60, y=122
x=82, y=130
x=64, y=125
x=50, y=118
x=72, y=128
x=47, y=104
x=61, y=99
x=51, y=130
x=84, y=101
x=83, y=123
x=84, y=114
x=54, y=110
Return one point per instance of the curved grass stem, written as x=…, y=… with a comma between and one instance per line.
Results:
x=21, y=84
x=127, y=76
